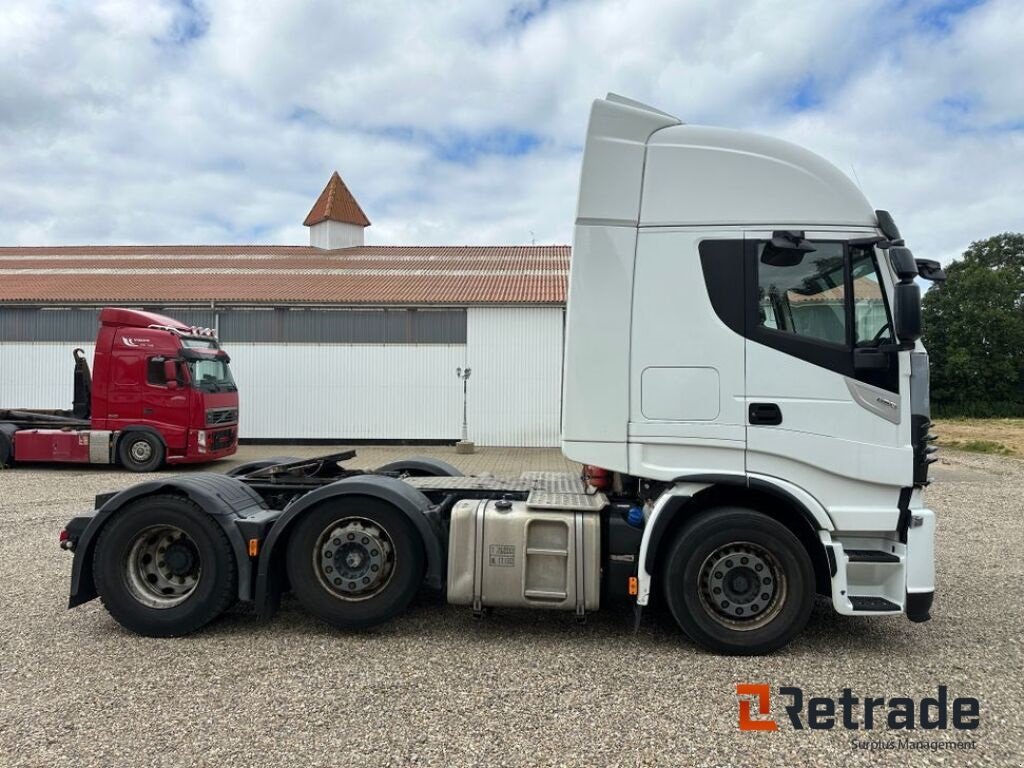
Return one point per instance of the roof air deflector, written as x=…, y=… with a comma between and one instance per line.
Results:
x=617, y=99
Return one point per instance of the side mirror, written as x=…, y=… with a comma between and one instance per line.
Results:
x=907, y=311
x=902, y=260
x=171, y=374
x=887, y=225
x=929, y=269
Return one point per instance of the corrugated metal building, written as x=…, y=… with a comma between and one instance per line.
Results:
x=334, y=341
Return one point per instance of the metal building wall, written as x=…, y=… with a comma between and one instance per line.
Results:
x=515, y=390
x=38, y=375
x=359, y=391
x=346, y=325
x=34, y=324
x=348, y=391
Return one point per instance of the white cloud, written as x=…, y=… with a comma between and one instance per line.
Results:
x=146, y=122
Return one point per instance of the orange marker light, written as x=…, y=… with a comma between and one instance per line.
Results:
x=633, y=588
x=254, y=547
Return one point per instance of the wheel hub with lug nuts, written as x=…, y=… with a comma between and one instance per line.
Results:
x=354, y=558
x=742, y=585
x=162, y=567
x=141, y=451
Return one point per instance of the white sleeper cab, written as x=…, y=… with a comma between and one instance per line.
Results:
x=744, y=386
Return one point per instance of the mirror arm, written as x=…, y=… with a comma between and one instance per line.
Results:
x=876, y=240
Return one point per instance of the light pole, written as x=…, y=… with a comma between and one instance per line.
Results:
x=464, y=445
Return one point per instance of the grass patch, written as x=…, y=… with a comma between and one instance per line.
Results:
x=980, y=446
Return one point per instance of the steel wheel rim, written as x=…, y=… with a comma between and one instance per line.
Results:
x=742, y=586
x=354, y=558
x=162, y=567
x=141, y=451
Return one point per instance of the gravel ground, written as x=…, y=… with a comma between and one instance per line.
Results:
x=519, y=688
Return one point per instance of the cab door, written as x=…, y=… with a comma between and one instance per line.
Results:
x=826, y=397
x=165, y=404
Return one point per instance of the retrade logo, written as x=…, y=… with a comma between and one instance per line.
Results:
x=749, y=694
x=817, y=713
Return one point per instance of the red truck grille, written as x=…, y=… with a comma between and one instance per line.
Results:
x=215, y=416
x=221, y=439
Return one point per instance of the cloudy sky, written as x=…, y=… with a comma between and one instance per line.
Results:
x=132, y=121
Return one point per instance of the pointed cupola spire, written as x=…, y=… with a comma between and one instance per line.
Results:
x=336, y=220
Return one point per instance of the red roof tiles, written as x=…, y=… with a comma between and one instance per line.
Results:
x=336, y=203
x=244, y=274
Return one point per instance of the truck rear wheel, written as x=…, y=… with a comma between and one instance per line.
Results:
x=164, y=568
x=140, y=451
x=355, y=563
x=739, y=582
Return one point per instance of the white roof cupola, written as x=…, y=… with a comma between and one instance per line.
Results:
x=336, y=220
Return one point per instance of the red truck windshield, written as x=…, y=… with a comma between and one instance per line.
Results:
x=211, y=375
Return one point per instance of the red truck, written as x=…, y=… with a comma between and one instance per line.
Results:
x=161, y=392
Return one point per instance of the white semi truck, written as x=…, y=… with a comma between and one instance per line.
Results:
x=743, y=383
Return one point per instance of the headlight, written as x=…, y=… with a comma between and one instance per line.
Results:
x=201, y=440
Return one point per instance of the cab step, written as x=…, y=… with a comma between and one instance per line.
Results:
x=871, y=556
x=871, y=603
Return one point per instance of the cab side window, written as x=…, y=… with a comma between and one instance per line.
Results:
x=803, y=293
x=155, y=372
x=821, y=306
x=870, y=311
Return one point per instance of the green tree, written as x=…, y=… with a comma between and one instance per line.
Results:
x=974, y=331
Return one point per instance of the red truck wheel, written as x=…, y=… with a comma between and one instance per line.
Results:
x=140, y=452
x=164, y=568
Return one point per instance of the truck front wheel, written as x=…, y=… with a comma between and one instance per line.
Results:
x=140, y=452
x=355, y=563
x=739, y=582
x=164, y=568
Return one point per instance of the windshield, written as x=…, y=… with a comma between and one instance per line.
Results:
x=211, y=375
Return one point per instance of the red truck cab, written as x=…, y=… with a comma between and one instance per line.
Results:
x=160, y=392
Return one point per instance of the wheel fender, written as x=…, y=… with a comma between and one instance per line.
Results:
x=688, y=488
x=223, y=498
x=422, y=464
x=401, y=495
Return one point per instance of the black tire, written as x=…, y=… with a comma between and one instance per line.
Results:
x=140, y=451
x=328, y=604
x=721, y=547
x=215, y=588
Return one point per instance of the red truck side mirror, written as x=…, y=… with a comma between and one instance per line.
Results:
x=171, y=374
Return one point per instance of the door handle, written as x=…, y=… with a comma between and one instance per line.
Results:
x=765, y=413
x=147, y=411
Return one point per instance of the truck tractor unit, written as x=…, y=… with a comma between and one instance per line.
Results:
x=159, y=392
x=744, y=388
